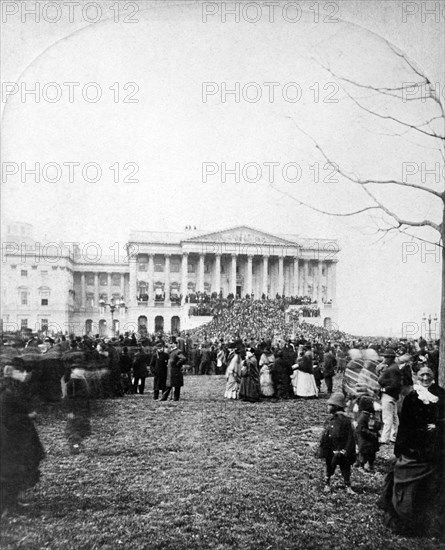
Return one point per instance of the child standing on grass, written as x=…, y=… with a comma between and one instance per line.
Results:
x=367, y=433
x=337, y=444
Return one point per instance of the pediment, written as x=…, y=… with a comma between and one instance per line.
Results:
x=242, y=235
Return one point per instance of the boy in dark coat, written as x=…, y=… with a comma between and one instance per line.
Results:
x=337, y=444
x=367, y=433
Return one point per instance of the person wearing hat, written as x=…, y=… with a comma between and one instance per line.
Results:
x=158, y=368
x=415, y=486
x=337, y=443
x=390, y=382
x=175, y=378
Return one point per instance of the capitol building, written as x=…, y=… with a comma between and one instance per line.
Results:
x=146, y=286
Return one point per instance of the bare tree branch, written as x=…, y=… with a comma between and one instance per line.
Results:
x=400, y=221
x=364, y=182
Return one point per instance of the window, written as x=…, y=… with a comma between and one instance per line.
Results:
x=44, y=324
x=34, y=267
x=116, y=279
x=24, y=297
x=175, y=266
x=90, y=279
x=159, y=265
x=24, y=323
x=90, y=299
x=24, y=273
x=191, y=268
x=206, y=268
x=143, y=267
x=103, y=279
x=44, y=301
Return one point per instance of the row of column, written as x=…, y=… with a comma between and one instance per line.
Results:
x=96, y=287
x=299, y=286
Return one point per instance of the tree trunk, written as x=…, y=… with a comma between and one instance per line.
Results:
x=442, y=314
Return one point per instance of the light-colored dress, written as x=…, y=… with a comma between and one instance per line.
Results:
x=233, y=377
x=303, y=383
x=266, y=381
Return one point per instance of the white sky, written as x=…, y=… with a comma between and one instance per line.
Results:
x=170, y=132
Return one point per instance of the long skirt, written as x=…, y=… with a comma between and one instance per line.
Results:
x=249, y=389
x=232, y=387
x=304, y=384
x=411, y=496
x=266, y=383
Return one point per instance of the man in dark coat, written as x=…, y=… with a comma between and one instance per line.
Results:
x=329, y=364
x=281, y=374
x=158, y=367
x=175, y=379
x=140, y=370
x=195, y=358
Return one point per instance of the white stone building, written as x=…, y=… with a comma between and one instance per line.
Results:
x=61, y=287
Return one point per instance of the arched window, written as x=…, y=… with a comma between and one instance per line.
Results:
x=103, y=329
x=159, y=323
x=175, y=324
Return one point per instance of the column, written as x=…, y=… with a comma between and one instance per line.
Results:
x=320, y=282
x=296, y=286
x=265, y=266
x=151, y=269
x=217, y=274
x=122, y=286
x=96, y=290
x=233, y=275
x=82, y=290
x=305, y=276
x=167, y=279
x=184, y=276
x=110, y=294
x=133, y=284
x=201, y=273
x=249, y=275
x=333, y=285
x=280, y=275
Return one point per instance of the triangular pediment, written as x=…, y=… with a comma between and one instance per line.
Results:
x=242, y=234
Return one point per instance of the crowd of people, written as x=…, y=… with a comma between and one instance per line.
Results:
x=389, y=394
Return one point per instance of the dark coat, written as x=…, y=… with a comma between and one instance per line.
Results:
x=20, y=447
x=175, y=378
x=281, y=373
x=391, y=380
x=140, y=368
x=125, y=363
x=158, y=367
x=329, y=364
x=367, y=433
x=338, y=434
x=413, y=439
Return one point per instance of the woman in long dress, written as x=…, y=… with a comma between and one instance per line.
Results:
x=267, y=360
x=413, y=497
x=233, y=375
x=20, y=448
x=250, y=388
x=303, y=380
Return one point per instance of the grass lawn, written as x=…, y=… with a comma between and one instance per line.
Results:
x=200, y=473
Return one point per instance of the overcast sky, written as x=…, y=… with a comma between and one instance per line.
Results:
x=168, y=141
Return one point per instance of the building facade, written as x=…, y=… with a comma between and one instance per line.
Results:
x=62, y=288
